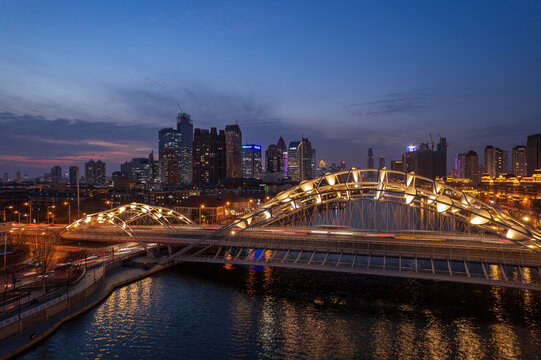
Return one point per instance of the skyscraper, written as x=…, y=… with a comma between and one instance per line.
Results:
x=381, y=163
x=185, y=127
x=209, y=156
x=293, y=161
x=495, y=161
x=74, y=175
x=534, y=153
x=519, y=163
x=370, y=159
x=251, y=161
x=274, y=160
x=95, y=172
x=281, y=144
x=304, y=152
x=314, y=164
x=56, y=174
x=424, y=161
x=168, y=138
x=467, y=166
x=233, y=142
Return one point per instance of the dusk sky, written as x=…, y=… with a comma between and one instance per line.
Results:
x=97, y=79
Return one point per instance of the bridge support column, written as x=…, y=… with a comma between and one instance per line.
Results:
x=169, y=250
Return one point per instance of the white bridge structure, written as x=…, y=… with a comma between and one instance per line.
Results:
x=365, y=221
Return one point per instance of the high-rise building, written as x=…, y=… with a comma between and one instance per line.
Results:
x=170, y=159
x=251, y=161
x=155, y=167
x=209, y=156
x=519, y=165
x=467, y=166
x=381, y=163
x=293, y=161
x=18, y=176
x=424, y=161
x=305, y=159
x=274, y=160
x=314, y=164
x=495, y=161
x=168, y=138
x=185, y=127
x=56, y=174
x=342, y=166
x=533, y=150
x=370, y=159
x=233, y=145
x=74, y=175
x=281, y=144
x=397, y=165
x=6, y=177
x=95, y=172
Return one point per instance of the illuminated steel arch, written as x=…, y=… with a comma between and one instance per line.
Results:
x=122, y=216
x=395, y=186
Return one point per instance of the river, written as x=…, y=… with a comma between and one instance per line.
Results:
x=225, y=312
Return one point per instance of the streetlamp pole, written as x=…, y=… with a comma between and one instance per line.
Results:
x=29, y=204
x=9, y=207
x=202, y=206
x=69, y=211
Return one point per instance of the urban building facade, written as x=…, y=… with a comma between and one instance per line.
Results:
x=533, y=146
x=251, y=161
x=185, y=128
x=425, y=161
x=169, y=141
x=209, y=156
x=233, y=143
x=495, y=161
x=304, y=153
x=95, y=172
x=519, y=165
x=293, y=161
x=56, y=174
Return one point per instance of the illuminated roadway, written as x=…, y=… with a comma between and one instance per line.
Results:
x=489, y=260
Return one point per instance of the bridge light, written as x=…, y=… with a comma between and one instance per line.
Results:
x=355, y=175
x=318, y=199
x=482, y=217
x=444, y=203
x=133, y=206
x=267, y=214
x=331, y=179
x=525, y=218
x=409, y=194
x=513, y=234
x=307, y=186
x=87, y=220
x=122, y=209
x=233, y=232
x=409, y=179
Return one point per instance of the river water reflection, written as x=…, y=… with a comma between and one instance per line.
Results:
x=213, y=312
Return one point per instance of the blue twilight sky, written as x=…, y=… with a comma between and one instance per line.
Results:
x=99, y=78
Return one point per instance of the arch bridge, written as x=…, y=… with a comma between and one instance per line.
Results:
x=460, y=238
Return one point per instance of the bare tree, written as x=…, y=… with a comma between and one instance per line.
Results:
x=12, y=274
x=44, y=254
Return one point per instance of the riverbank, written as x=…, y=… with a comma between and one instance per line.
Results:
x=116, y=278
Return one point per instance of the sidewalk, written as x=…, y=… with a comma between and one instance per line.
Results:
x=115, y=277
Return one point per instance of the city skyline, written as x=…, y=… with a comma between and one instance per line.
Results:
x=79, y=84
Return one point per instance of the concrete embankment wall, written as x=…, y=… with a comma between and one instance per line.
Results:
x=64, y=305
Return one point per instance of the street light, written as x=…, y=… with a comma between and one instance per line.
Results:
x=9, y=207
x=69, y=211
x=202, y=206
x=18, y=213
x=108, y=202
x=49, y=213
x=29, y=204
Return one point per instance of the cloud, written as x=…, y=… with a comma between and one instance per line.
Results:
x=396, y=103
x=32, y=141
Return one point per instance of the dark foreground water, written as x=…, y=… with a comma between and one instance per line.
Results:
x=217, y=312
